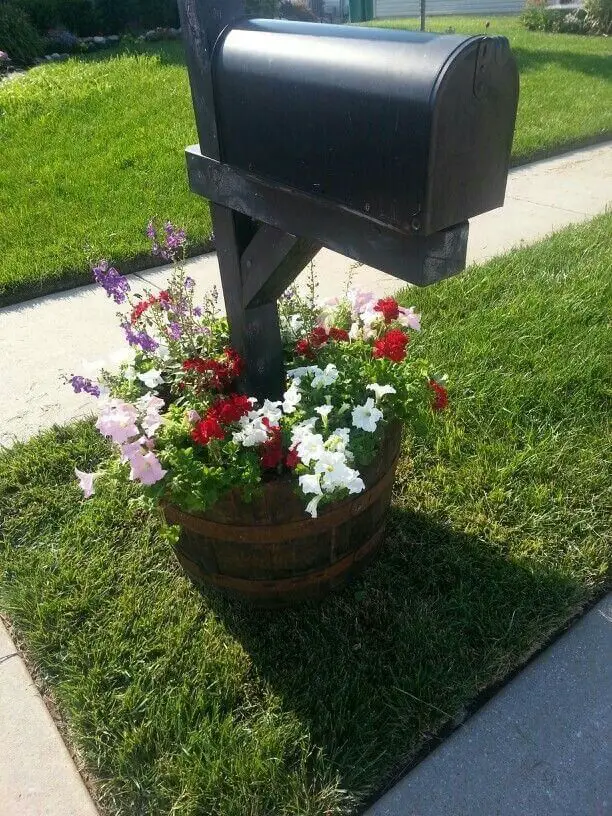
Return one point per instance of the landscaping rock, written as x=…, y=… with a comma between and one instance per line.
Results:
x=113, y=38
x=100, y=40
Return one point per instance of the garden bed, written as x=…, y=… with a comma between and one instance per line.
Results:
x=93, y=146
x=188, y=703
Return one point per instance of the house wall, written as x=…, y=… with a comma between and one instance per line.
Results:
x=412, y=8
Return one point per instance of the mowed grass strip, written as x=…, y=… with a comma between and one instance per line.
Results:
x=93, y=147
x=187, y=704
x=565, y=82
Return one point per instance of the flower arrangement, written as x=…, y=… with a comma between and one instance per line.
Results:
x=187, y=433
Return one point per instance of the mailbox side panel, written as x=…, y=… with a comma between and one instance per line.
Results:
x=340, y=113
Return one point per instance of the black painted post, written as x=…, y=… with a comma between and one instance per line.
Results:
x=256, y=262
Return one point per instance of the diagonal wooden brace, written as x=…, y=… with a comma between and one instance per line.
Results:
x=257, y=263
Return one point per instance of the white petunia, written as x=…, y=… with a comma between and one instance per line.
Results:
x=324, y=411
x=327, y=377
x=355, y=332
x=310, y=483
x=302, y=371
x=338, y=440
x=271, y=411
x=302, y=429
x=310, y=448
x=252, y=431
x=313, y=505
x=291, y=398
x=381, y=390
x=151, y=378
x=366, y=416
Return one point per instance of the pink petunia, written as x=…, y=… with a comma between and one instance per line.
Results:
x=408, y=317
x=146, y=468
x=86, y=482
x=118, y=421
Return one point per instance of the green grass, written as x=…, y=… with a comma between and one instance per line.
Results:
x=91, y=148
x=189, y=704
x=566, y=82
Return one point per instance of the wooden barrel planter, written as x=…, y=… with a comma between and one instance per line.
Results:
x=271, y=553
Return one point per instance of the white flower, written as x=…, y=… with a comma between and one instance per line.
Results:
x=162, y=351
x=381, y=390
x=360, y=300
x=253, y=432
x=338, y=441
x=366, y=416
x=408, y=317
x=302, y=429
x=151, y=378
x=302, y=371
x=310, y=448
x=130, y=373
x=271, y=411
x=335, y=474
x=327, y=377
x=312, y=506
x=291, y=397
x=295, y=323
x=310, y=483
x=324, y=411
x=355, y=332
x=370, y=318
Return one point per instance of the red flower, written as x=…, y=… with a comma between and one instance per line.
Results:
x=392, y=345
x=230, y=409
x=292, y=460
x=440, y=395
x=164, y=296
x=218, y=374
x=207, y=429
x=140, y=309
x=318, y=337
x=272, y=450
x=339, y=334
x=389, y=308
x=303, y=349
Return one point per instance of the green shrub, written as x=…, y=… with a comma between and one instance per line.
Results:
x=599, y=16
x=536, y=17
x=262, y=8
x=18, y=37
x=153, y=13
x=77, y=16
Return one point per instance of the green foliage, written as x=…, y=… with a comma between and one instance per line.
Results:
x=295, y=10
x=599, y=15
x=183, y=703
x=537, y=17
x=18, y=37
x=262, y=8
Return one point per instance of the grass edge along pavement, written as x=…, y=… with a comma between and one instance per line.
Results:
x=192, y=704
x=123, y=117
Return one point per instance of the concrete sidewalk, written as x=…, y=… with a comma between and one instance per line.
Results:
x=43, y=338
x=541, y=747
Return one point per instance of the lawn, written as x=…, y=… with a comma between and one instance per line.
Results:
x=187, y=704
x=92, y=148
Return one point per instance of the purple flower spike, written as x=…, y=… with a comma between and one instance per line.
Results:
x=197, y=311
x=82, y=384
x=189, y=284
x=175, y=331
x=114, y=284
x=139, y=338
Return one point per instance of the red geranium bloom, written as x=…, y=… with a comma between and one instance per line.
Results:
x=140, y=308
x=219, y=374
x=440, y=395
x=392, y=345
x=303, y=348
x=272, y=450
x=230, y=409
x=338, y=334
x=388, y=307
x=318, y=337
x=292, y=460
x=207, y=429
x=164, y=296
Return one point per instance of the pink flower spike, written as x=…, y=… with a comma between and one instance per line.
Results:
x=146, y=469
x=86, y=482
x=408, y=317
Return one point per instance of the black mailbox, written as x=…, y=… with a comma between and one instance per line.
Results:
x=412, y=129
x=378, y=144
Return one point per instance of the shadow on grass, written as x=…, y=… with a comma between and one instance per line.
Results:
x=590, y=64
x=379, y=668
